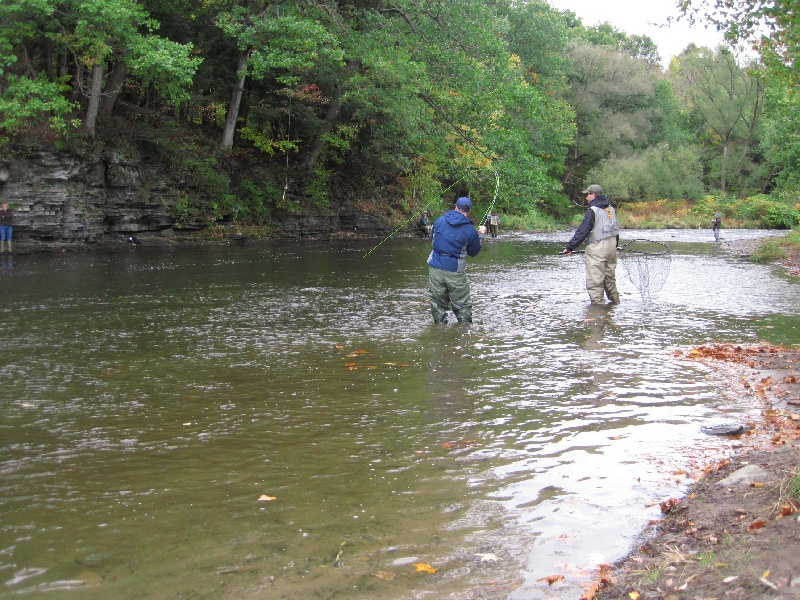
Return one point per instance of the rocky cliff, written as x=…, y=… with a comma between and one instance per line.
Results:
x=64, y=200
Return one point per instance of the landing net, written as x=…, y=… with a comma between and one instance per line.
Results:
x=646, y=264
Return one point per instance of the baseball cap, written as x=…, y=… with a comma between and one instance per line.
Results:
x=464, y=203
x=593, y=189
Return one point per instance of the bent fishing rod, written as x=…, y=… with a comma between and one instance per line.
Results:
x=466, y=138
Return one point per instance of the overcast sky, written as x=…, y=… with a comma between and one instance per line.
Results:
x=640, y=17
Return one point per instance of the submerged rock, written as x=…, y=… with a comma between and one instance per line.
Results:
x=725, y=429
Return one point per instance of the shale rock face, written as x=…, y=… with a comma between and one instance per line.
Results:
x=60, y=199
x=64, y=200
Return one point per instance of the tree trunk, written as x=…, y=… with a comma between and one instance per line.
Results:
x=94, y=98
x=724, y=166
x=113, y=88
x=233, y=107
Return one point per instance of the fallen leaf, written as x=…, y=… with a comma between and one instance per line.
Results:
x=551, y=579
x=669, y=505
x=265, y=498
x=757, y=484
x=385, y=575
x=424, y=568
x=731, y=578
x=458, y=444
x=757, y=524
x=591, y=593
x=634, y=595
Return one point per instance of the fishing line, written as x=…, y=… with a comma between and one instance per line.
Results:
x=496, y=190
x=433, y=105
x=412, y=217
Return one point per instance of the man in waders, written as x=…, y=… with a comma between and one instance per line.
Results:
x=600, y=230
x=453, y=237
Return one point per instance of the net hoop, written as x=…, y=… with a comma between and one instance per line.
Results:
x=646, y=264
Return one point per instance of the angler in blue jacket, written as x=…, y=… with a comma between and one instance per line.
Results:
x=454, y=237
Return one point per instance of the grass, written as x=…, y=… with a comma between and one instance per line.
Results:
x=676, y=214
x=531, y=221
x=777, y=248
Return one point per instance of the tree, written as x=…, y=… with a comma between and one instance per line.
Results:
x=613, y=96
x=93, y=34
x=727, y=99
x=275, y=40
x=771, y=26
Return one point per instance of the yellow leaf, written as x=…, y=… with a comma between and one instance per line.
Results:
x=634, y=595
x=265, y=498
x=424, y=568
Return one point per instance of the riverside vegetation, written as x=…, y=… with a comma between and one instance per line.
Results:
x=324, y=108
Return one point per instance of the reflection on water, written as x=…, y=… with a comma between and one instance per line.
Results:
x=153, y=400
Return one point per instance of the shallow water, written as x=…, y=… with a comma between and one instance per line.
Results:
x=151, y=397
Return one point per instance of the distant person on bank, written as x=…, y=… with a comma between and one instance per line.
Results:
x=494, y=223
x=6, y=217
x=716, y=225
x=453, y=237
x=600, y=230
x=425, y=222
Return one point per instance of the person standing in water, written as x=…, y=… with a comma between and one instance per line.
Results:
x=600, y=230
x=453, y=237
x=716, y=225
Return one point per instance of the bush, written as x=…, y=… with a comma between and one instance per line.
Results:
x=658, y=172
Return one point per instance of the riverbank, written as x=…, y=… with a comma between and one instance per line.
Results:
x=735, y=535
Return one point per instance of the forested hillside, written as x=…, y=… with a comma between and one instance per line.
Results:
x=292, y=105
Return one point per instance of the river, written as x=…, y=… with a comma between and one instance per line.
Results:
x=285, y=421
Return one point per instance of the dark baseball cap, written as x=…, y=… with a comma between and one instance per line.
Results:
x=464, y=203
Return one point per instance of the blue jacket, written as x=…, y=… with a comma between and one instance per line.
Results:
x=453, y=237
x=586, y=226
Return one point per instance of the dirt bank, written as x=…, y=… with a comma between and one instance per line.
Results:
x=737, y=534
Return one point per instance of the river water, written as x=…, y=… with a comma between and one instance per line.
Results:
x=284, y=421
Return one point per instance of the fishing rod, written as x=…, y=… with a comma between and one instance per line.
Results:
x=466, y=138
x=424, y=208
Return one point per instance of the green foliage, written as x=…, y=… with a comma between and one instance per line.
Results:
x=635, y=46
x=780, y=142
x=773, y=26
x=257, y=198
x=726, y=100
x=793, y=485
x=27, y=102
x=164, y=65
x=769, y=211
x=533, y=220
x=768, y=252
x=658, y=172
x=404, y=101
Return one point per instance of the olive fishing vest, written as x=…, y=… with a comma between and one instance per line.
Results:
x=605, y=224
